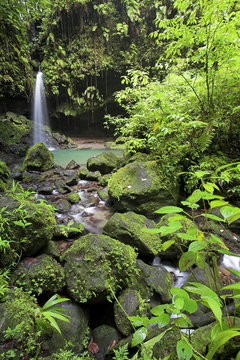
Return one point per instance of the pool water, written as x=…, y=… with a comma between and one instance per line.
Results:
x=63, y=157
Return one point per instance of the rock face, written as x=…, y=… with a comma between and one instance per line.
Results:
x=96, y=265
x=104, y=336
x=38, y=158
x=105, y=163
x=39, y=275
x=128, y=228
x=74, y=333
x=141, y=187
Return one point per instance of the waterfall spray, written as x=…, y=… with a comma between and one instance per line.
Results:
x=40, y=112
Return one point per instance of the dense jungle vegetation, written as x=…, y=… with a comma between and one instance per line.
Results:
x=172, y=69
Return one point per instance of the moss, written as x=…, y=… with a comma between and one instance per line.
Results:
x=39, y=275
x=83, y=173
x=96, y=266
x=142, y=187
x=128, y=228
x=39, y=158
x=13, y=129
x=73, y=198
x=19, y=315
x=105, y=163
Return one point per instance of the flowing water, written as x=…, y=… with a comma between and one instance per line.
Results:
x=40, y=111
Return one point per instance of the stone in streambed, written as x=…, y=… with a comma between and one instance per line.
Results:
x=39, y=275
x=38, y=158
x=96, y=266
x=129, y=229
x=105, y=163
x=142, y=187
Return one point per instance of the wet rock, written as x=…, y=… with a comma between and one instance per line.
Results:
x=38, y=158
x=74, y=333
x=93, y=176
x=96, y=265
x=103, y=180
x=52, y=249
x=72, y=165
x=104, y=337
x=103, y=195
x=83, y=173
x=62, y=205
x=39, y=275
x=158, y=279
x=72, y=180
x=105, y=163
x=128, y=228
x=142, y=187
x=131, y=304
x=46, y=189
x=62, y=187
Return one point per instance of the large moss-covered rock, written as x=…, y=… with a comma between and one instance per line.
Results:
x=74, y=333
x=105, y=162
x=96, y=266
x=14, y=133
x=38, y=158
x=128, y=228
x=42, y=274
x=27, y=225
x=4, y=175
x=142, y=187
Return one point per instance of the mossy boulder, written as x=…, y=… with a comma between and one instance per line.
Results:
x=158, y=279
x=39, y=275
x=105, y=163
x=104, y=336
x=96, y=266
x=29, y=225
x=4, y=175
x=128, y=228
x=73, y=198
x=38, y=158
x=14, y=133
x=142, y=187
x=75, y=333
x=129, y=303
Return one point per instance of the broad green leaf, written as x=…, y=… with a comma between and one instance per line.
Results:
x=184, y=350
x=139, y=320
x=178, y=302
x=186, y=260
x=150, y=343
x=179, y=292
x=200, y=174
x=216, y=203
x=235, y=272
x=221, y=339
x=212, y=217
x=181, y=322
x=55, y=315
x=176, y=218
x=158, y=310
x=228, y=253
x=190, y=305
x=166, y=245
x=214, y=306
x=230, y=213
x=139, y=336
x=169, y=210
x=171, y=228
x=52, y=322
x=197, y=246
x=201, y=289
x=200, y=260
x=235, y=286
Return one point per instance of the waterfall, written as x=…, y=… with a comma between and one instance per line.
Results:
x=40, y=112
